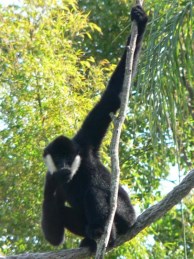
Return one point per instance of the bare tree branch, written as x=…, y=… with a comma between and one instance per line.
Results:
x=149, y=216
x=158, y=210
x=114, y=147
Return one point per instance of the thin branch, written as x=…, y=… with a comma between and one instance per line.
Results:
x=114, y=147
x=148, y=217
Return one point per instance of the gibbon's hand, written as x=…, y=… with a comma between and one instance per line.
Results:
x=139, y=15
x=62, y=176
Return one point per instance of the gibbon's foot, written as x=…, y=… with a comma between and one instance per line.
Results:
x=94, y=232
x=87, y=242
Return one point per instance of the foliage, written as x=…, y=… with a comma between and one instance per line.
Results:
x=53, y=66
x=41, y=74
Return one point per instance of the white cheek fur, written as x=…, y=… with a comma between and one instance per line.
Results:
x=73, y=168
x=50, y=164
x=75, y=165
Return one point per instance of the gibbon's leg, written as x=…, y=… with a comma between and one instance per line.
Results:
x=96, y=204
x=74, y=221
x=125, y=214
x=98, y=120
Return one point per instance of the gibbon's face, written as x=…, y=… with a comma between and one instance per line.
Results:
x=62, y=154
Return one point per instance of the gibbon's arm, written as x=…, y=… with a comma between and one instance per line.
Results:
x=55, y=215
x=98, y=120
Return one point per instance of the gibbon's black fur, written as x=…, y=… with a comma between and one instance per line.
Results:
x=77, y=177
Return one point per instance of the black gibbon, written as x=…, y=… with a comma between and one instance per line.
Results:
x=76, y=175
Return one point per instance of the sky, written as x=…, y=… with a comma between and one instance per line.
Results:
x=7, y=2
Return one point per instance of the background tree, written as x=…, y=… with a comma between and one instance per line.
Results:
x=44, y=81
x=53, y=66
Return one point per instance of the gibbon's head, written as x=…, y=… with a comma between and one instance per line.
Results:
x=62, y=153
